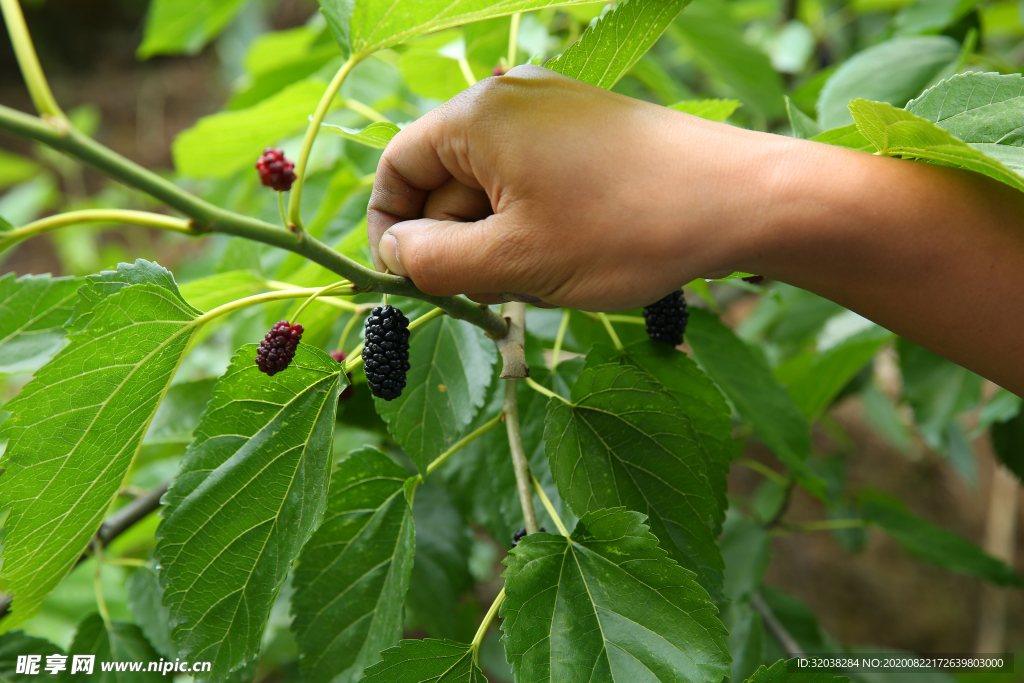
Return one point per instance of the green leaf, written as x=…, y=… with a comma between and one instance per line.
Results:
x=108, y=282
x=934, y=544
x=426, y=661
x=909, y=64
x=185, y=26
x=607, y=605
x=718, y=44
x=937, y=390
x=701, y=400
x=145, y=600
x=19, y=643
x=209, y=292
x=814, y=379
x=1008, y=443
x=451, y=369
x=777, y=673
x=846, y=136
x=745, y=379
x=224, y=143
x=613, y=43
x=15, y=169
x=123, y=642
x=376, y=135
x=362, y=28
x=931, y=16
x=352, y=576
x=895, y=132
x=5, y=225
x=804, y=127
x=33, y=310
x=625, y=441
x=976, y=108
x=250, y=492
x=176, y=419
x=712, y=110
x=76, y=427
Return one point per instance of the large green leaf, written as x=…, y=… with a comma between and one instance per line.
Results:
x=976, y=108
x=896, y=132
x=216, y=290
x=749, y=384
x=352, y=576
x=625, y=441
x=607, y=605
x=18, y=643
x=76, y=427
x=122, y=643
x=779, y=673
x=224, y=143
x=909, y=64
x=185, y=26
x=935, y=544
x=701, y=400
x=846, y=136
x=931, y=16
x=451, y=369
x=712, y=110
x=362, y=28
x=426, y=661
x=616, y=41
x=251, y=490
x=145, y=600
x=33, y=310
x=937, y=389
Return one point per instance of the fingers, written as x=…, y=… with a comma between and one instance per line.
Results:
x=447, y=257
x=454, y=201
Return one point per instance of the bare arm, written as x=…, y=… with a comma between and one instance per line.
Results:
x=540, y=187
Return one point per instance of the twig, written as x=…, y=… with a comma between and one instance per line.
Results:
x=552, y=512
x=118, y=523
x=512, y=347
x=519, y=461
x=776, y=629
x=1000, y=542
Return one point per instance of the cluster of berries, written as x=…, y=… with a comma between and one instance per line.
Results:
x=386, y=352
x=275, y=171
x=277, y=349
x=666, y=319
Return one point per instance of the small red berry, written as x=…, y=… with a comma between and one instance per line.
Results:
x=275, y=171
x=346, y=393
x=499, y=70
x=277, y=349
x=754, y=279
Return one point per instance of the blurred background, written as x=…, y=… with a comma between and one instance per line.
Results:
x=909, y=424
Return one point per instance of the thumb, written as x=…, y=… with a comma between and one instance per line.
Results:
x=443, y=258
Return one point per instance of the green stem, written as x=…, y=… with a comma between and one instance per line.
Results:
x=630, y=319
x=532, y=383
x=127, y=562
x=520, y=463
x=280, y=205
x=239, y=304
x=485, y=624
x=552, y=512
x=365, y=110
x=322, y=290
x=295, y=201
x=150, y=220
x=603, y=317
x=461, y=443
x=467, y=72
x=764, y=470
x=560, y=338
x=348, y=330
x=513, y=39
x=209, y=218
x=833, y=524
x=101, y=602
x=31, y=70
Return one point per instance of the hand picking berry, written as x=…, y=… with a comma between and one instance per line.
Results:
x=666, y=319
x=386, y=352
x=275, y=171
x=278, y=347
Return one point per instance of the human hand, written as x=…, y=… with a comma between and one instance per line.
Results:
x=539, y=187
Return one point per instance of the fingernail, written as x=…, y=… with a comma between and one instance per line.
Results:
x=387, y=249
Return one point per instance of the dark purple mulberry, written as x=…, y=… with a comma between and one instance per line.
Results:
x=518, y=536
x=386, y=352
x=346, y=393
x=666, y=319
x=754, y=279
x=278, y=347
x=275, y=171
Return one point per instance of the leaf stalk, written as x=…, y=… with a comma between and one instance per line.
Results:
x=32, y=71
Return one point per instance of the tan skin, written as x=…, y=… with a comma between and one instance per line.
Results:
x=560, y=192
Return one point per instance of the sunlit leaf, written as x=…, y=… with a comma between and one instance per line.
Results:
x=376, y=135
x=185, y=26
x=33, y=310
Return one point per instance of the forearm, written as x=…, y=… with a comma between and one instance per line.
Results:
x=932, y=253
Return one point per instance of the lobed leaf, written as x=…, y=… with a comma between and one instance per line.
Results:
x=376, y=135
x=426, y=661
x=895, y=132
x=607, y=605
x=353, y=574
x=250, y=491
x=451, y=369
x=625, y=441
x=614, y=42
x=75, y=429
x=33, y=310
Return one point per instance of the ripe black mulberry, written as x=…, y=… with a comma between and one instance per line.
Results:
x=275, y=171
x=666, y=319
x=346, y=393
x=754, y=279
x=278, y=347
x=386, y=352
x=518, y=536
